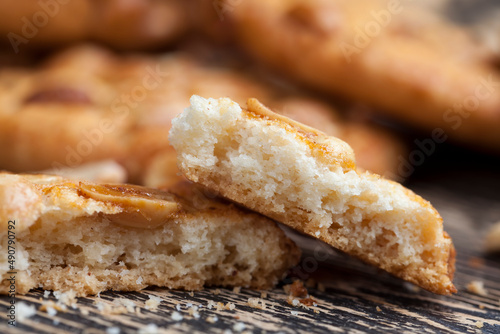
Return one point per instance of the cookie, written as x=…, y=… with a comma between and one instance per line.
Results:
x=90, y=237
x=121, y=24
x=86, y=104
x=406, y=63
x=308, y=181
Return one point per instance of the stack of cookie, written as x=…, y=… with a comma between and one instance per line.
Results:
x=322, y=71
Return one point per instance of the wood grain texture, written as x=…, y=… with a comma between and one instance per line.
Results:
x=358, y=298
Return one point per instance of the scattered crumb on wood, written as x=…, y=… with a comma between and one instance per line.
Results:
x=296, y=289
x=51, y=308
x=479, y=324
x=378, y=309
x=477, y=287
x=298, y=296
x=212, y=319
x=149, y=329
x=176, y=316
x=309, y=301
x=24, y=311
x=237, y=289
x=119, y=306
x=193, y=311
x=152, y=303
x=239, y=327
x=257, y=303
x=113, y=330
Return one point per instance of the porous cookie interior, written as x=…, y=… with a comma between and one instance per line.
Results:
x=78, y=243
x=308, y=181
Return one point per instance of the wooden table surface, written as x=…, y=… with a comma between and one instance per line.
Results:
x=463, y=186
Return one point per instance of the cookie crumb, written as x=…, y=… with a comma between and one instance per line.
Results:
x=477, y=287
x=25, y=311
x=211, y=304
x=152, y=303
x=479, y=324
x=378, y=309
x=256, y=303
x=239, y=326
x=176, y=316
x=113, y=330
x=148, y=329
x=237, y=289
x=296, y=289
x=50, y=307
x=212, y=319
x=193, y=311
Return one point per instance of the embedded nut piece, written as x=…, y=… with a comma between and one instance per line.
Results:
x=142, y=208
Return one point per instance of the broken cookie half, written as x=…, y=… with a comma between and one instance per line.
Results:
x=87, y=237
x=307, y=180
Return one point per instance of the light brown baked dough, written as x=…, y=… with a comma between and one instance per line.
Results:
x=308, y=181
x=405, y=62
x=79, y=107
x=90, y=237
x=124, y=24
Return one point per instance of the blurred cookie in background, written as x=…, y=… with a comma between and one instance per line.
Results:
x=402, y=60
x=122, y=24
x=87, y=104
